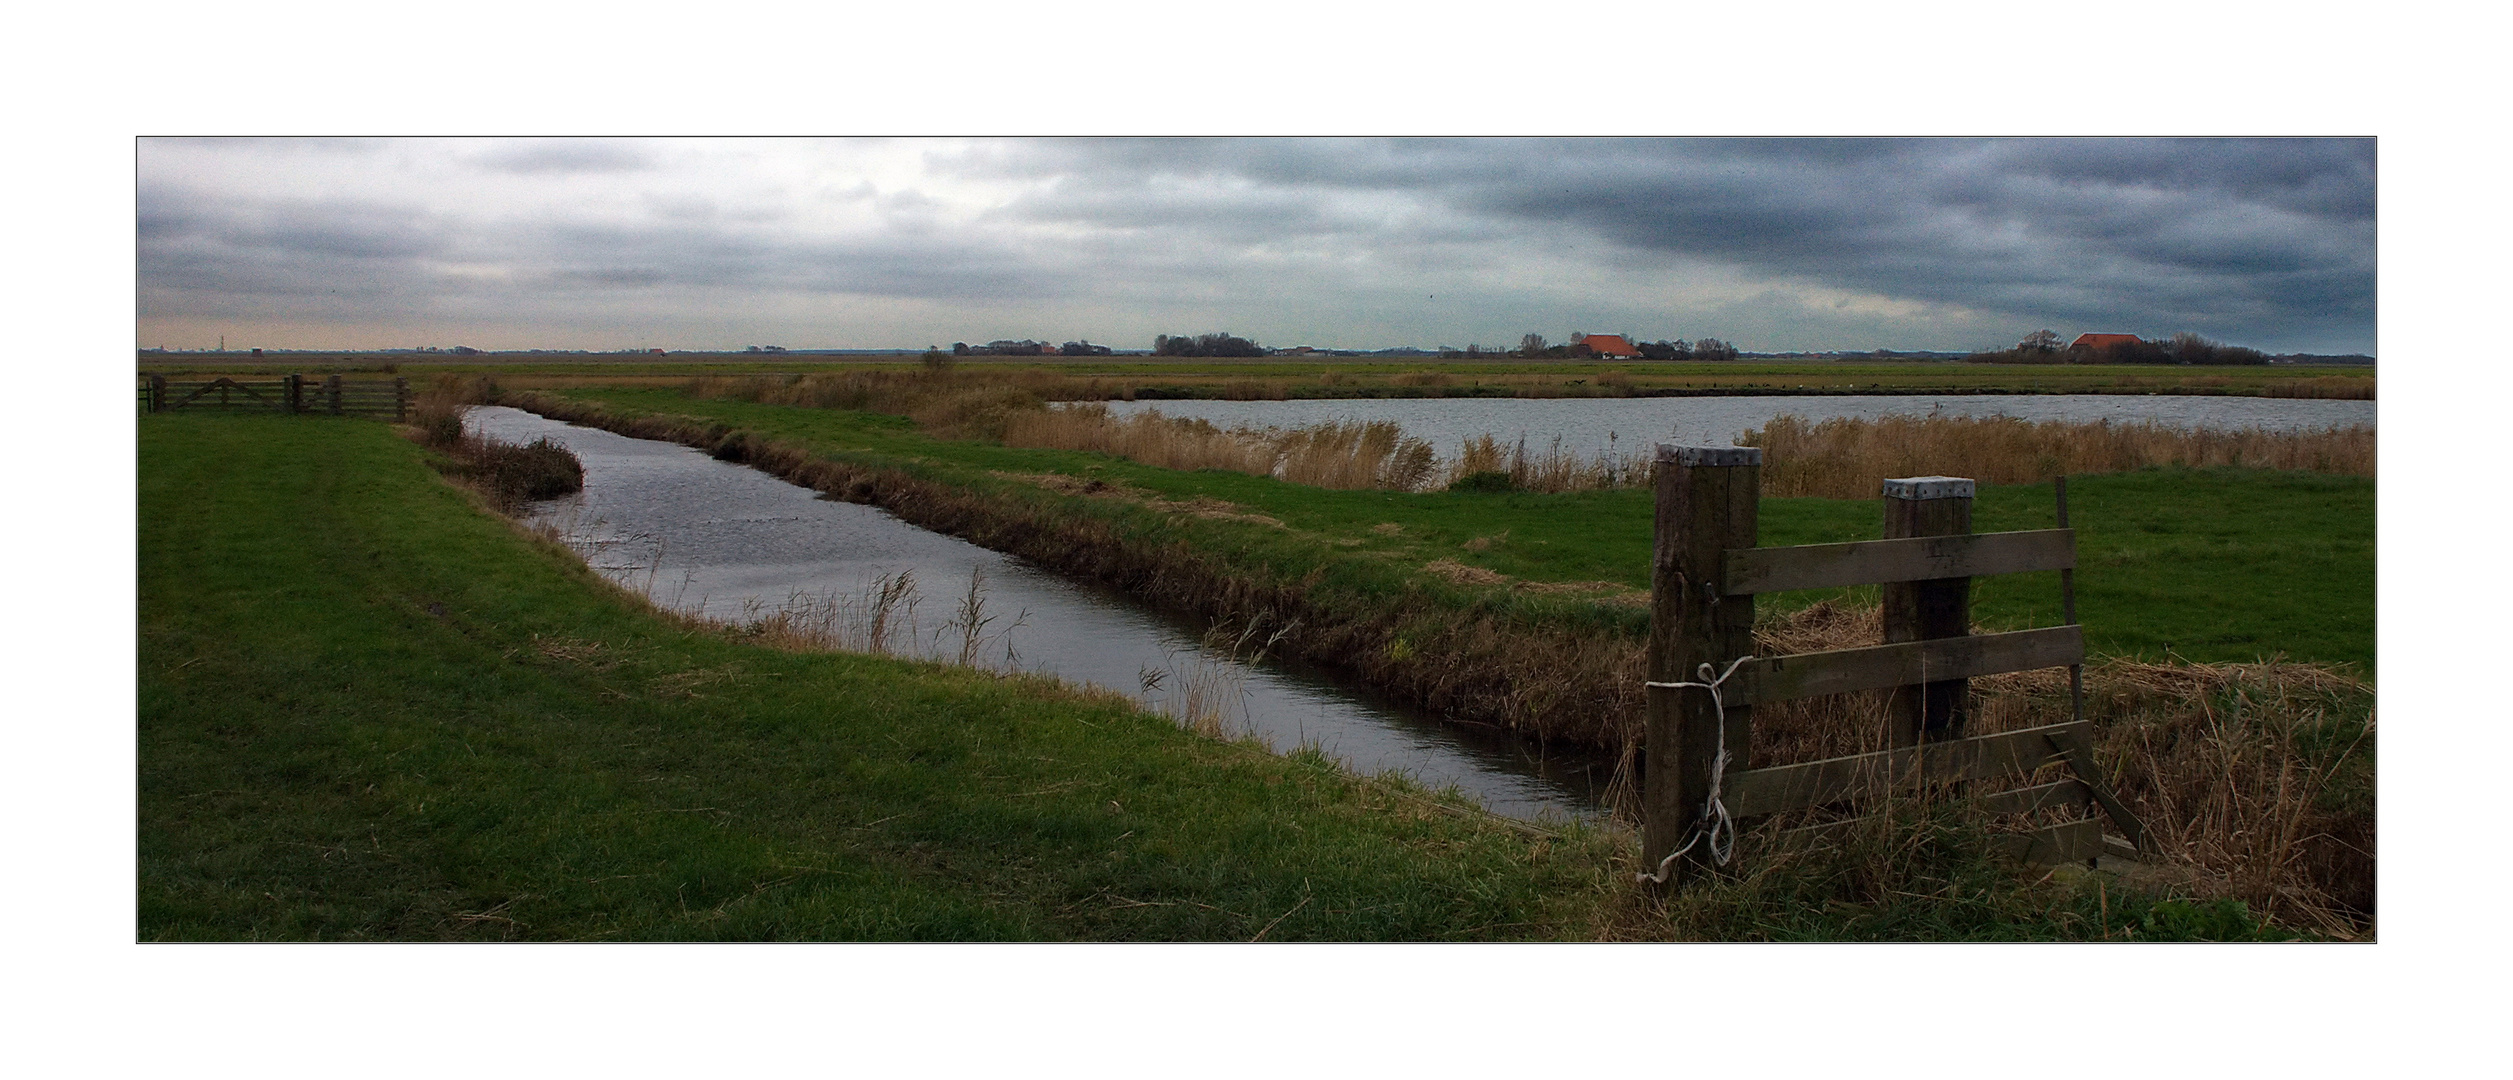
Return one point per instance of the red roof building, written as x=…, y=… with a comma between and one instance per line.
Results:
x=2102, y=341
x=1606, y=345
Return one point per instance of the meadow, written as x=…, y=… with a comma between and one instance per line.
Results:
x=371, y=709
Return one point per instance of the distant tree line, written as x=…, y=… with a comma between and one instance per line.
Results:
x=1205, y=345
x=2043, y=347
x=1535, y=347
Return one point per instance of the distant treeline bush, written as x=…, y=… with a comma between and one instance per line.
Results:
x=2183, y=348
x=1205, y=345
x=1534, y=347
x=1026, y=347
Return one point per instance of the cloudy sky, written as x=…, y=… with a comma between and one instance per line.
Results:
x=1797, y=244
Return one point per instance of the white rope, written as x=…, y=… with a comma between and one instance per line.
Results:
x=1713, y=822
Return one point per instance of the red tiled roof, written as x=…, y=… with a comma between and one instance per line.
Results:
x=2103, y=341
x=1609, y=345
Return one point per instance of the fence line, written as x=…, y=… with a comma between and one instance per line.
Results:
x=1705, y=572
x=286, y=394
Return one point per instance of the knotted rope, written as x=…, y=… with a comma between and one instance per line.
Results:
x=1713, y=822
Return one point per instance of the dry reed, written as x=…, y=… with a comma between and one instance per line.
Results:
x=1330, y=455
x=1841, y=458
x=507, y=474
x=1836, y=458
x=2254, y=780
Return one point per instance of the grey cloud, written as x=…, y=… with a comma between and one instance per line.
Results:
x=567, y=156
x=2232, y=236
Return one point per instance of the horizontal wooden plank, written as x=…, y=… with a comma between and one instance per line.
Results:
x=1815, y=783
x=2075, y=841
x=2070, y=792
x=1841, y=671
x=1877, y=562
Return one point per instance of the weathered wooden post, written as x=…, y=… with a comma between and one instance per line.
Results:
x=1707, y=502
x=401, y=398
x=156, y=393
x=1926, y=610
x=292, y=392
x=331, y=389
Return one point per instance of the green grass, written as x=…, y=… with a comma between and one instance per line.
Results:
x=2222, y=565
x=370, y=710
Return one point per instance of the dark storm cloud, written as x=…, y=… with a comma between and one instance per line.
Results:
x=2260, y=237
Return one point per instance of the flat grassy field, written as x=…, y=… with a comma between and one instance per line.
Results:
x=1275, y=377
x=2221, y=565
x=369, y=709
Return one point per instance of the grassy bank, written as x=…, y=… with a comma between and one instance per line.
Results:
x=368, y=709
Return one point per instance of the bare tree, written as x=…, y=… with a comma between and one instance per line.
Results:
x=2041, y=341
x=1531, y=345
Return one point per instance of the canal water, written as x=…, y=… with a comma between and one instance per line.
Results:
x=712, y=538
x=1630, y=426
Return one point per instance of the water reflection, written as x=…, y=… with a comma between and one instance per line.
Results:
x=712, y=538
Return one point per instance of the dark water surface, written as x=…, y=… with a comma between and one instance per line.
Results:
x=1587, y=426
x=713, y=538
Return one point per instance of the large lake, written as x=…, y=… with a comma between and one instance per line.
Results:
x=1631, y=425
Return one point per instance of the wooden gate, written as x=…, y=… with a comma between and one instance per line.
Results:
x=1704, y=681
x=283, y=393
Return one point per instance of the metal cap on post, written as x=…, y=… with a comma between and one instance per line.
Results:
x=1693, y=457
x=1708, y=498
x=1929, y=487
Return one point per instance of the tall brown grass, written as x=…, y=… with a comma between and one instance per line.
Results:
x=2254, y=780
x=1330, y=455
x=1552, y=469
x=509, y=475
x=1842, y=458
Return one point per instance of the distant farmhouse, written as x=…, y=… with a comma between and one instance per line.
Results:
x=1610, y=346
x=2099, y=342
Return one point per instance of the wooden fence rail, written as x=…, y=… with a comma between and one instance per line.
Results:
x=1705, y=573
x=286, y=394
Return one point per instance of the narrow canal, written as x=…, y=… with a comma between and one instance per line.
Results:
x=726, y=541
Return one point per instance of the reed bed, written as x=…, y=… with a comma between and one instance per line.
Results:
x=1837, y=458
x=507, y=474
x=1332, y=455
x=1842, y=458
x=2255, y=780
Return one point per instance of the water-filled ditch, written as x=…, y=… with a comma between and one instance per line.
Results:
x=712, y=538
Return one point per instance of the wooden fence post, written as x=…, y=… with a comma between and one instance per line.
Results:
x=156, y=393
x=1926, y=610
x=1707, y=503
x=401, y=398
x=296, y=392
x=331, y=388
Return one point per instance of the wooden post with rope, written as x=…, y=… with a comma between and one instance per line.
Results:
x=1704, y=678
x=1708, y=499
